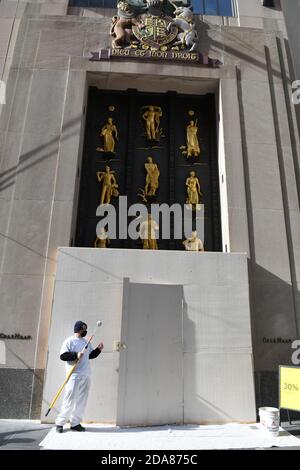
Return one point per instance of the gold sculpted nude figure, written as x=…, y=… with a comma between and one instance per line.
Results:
x=109, y=185
x=151, y=177
x=152, y=118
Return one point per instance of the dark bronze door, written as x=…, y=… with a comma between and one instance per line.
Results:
x=126, y=108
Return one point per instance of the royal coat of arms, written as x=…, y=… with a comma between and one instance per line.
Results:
x=154, y=24
x=155, y=31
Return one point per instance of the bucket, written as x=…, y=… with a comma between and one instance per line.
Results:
x=269, y=419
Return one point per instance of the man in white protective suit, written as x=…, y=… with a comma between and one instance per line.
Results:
x=77, y=388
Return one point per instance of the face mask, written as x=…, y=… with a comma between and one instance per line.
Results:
x=83, y=334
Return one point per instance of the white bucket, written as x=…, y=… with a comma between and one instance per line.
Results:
x=269, y=419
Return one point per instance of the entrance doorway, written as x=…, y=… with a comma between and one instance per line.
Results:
x=130, y=149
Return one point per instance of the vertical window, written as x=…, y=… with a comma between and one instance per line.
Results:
x=93, y=3
x=225, y=8
x=110, y=3
x=198, y=6
x=213, y=7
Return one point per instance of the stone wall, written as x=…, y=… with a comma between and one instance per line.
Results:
x=41, y=128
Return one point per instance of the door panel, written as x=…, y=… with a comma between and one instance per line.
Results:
x=151, y=365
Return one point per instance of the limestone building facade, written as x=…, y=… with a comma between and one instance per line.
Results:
x=45, y=51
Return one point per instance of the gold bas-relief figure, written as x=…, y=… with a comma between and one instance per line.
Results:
x=192, y=148
x=110, y=136
x=152, y=118
x=151, y=177
x=109, y=185
x=192, y=144
x=193, y=243
x=102, y=239
x=193, y=190
x=147, y=233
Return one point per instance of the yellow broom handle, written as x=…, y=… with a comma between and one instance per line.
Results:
x=66, y=380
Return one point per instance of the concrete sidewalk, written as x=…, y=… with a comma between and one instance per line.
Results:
x=27, y=435
x=22, y=434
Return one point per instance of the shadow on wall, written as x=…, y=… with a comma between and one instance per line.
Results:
x=43, y=152
x=273, y=331
x=295, y=75
x=237, y=49
x=20, y=391
x=200, y=404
